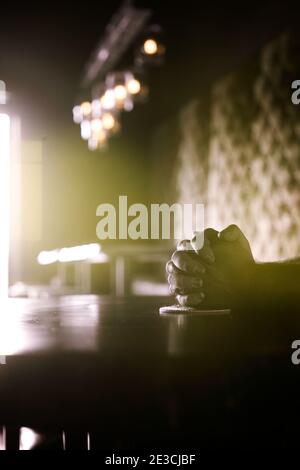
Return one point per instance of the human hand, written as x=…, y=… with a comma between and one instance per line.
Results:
x=214, y=275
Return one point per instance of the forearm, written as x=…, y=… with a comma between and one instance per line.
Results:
x=274, y=282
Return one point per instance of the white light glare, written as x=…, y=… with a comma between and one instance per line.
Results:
x=48, y=257
x=108, y=100
x=4, y=203
x=108, y=121
x=128, y=104
x=96, y=108
x=103, y=54
x=79, y=253
x=150, y=47
x=93, y=143
x=86, y=108
x=72, y=253
x=120, y=92
x=77, y=114
x=96, y=125
x=28, y=438
x=2, y=92
x=133, y=86
x=86, y=131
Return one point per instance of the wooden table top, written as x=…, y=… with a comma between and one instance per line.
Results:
x=85, y=360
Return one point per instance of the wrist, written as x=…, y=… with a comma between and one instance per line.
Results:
x=245, y=278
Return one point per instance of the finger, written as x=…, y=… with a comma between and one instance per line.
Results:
x=197, y=241
x=231, y=233
x=184, y=245
x=184, y=261
x=190, y=300
x=206, y=253
x=211, y=234
x=171, y=268
x=183, y=284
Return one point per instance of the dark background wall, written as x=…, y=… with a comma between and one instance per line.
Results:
x=237, y=151
x=42, y=55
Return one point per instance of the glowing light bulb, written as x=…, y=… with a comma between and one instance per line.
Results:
x=128, y=104
x=103, y=54
x=78, y=253
x=86, y=131
x=97, y=140
x=120, y=92
x=150, y=47
x=86, y=108
x=92, y=143
x=101, y=136
x=77, y=114
x=96, y=125
x=133, y=86
x=108, y=100
x=108, y=121
x=48, y=257
x=96, y=108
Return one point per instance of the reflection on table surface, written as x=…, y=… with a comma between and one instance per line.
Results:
x=101, y=324
x=118, y=368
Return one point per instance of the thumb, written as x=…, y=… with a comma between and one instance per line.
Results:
x=233, y=233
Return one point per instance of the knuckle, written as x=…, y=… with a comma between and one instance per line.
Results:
x=178, y=259
x=170, y=267
x=210, y=231
x=174, y=257
x=233, y=228
x=172, y=290
x=183, y=245
x=180, y=299
x=211, y=234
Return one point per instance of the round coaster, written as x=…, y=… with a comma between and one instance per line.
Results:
x=175, y=309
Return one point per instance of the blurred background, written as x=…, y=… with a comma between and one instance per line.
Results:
x=212, y=123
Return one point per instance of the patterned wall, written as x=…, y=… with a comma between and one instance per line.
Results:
x=240, y=153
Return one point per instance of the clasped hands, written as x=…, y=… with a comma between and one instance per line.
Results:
x=215, y=275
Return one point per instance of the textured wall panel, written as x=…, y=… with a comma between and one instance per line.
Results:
x=246, y=168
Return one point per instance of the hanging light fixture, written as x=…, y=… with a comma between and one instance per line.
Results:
x=99, y=119
x=150, y=47
x=112, y=92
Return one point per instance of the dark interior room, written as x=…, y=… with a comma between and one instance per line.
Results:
x=149, y=228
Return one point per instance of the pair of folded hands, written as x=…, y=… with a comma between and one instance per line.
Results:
x=214, y=275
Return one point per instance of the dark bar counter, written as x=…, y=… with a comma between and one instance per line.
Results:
x=135, y=379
